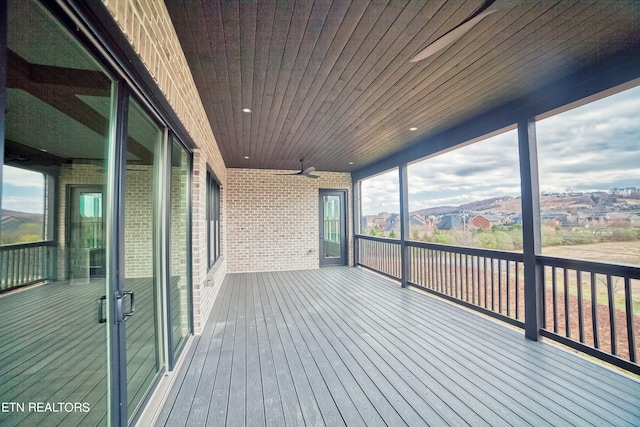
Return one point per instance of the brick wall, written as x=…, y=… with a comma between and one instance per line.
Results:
x=147, y=25
x=138, y=222
x=272, y=220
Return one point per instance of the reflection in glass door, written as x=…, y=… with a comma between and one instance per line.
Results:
x=53, y=351
x=179, y=279
x=141, y=256
x=332, y=228
x=86, y=233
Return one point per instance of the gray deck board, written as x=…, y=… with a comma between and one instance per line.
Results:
x=543, y=383
x=345, y=346
x=271, y=402
x=292, y=410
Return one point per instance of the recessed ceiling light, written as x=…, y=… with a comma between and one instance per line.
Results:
x=412, y=129
x=246, y=110
x=350, y=163
x=246, y=157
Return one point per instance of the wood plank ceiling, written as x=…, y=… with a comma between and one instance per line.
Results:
x=331, y=81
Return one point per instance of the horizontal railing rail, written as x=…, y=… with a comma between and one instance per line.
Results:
x=380, y=254
x=24, y=264
x=486, y=280
x=593, y=307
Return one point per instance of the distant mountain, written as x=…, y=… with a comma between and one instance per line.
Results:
x=569, y=203
x=480, y=205
x=24, y=216
x=439, y=210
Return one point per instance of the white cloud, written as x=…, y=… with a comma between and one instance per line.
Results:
x=22, y=190
x=22, y=177
x=31, y=204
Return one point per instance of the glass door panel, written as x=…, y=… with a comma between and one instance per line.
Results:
x=141, y=231
x=179, y=278
x=332, y=226
x=53, y=352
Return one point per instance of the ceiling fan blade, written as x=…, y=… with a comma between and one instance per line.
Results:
x=303, y=171
x=453, y=35
x=308, y=170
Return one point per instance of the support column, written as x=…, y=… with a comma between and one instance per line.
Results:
x=3, y=80
x=531, y=234
x=404, y=225
x=356, y=219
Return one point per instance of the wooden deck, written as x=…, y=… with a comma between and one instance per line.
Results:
x=343, y=346
x=52, y=349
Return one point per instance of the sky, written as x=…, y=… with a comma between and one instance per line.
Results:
x=592, y=147
x=22, y=190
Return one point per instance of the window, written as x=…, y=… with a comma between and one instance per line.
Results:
x=23, y=206
x=589, y=167
x=213, y=218
x=380, y=205
x=469, y=196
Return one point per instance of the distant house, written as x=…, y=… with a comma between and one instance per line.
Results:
x=416, y=220
x=11, y=223
x=484, y=221
x=624, y=218
x=450, y=222
x=392, y=223
x=555, y=220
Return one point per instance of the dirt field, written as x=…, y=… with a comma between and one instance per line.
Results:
x=616, y=252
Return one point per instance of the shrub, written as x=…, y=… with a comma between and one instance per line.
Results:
x=625, y=234
x=579, y=237
x=446, y=239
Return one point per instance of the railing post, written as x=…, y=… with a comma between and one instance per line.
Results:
x=404, y=226
x=531, y=234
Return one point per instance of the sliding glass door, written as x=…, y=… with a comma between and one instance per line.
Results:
x=94, y=258
x=179, y=280
x=141, y=254
x=54, y=321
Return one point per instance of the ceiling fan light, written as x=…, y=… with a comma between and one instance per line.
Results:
x=450, y=37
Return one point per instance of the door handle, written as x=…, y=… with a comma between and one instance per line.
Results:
x=121, y=314
x=101, y=317
x=132, y=307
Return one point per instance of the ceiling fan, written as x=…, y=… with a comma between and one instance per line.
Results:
x=454, y=34
x=303, y=172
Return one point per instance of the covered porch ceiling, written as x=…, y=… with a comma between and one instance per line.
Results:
x=331, y=81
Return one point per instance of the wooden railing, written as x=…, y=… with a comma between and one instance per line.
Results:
x=24, y=264
x=380, y=254
x=486, y=280
x=592, y=306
